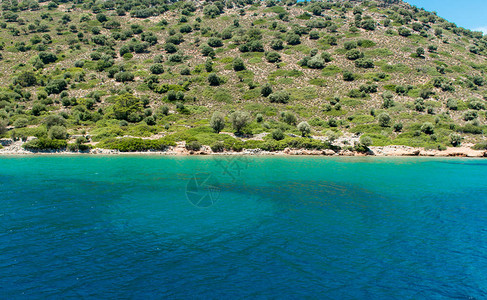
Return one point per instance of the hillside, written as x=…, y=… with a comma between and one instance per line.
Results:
x=239, y=74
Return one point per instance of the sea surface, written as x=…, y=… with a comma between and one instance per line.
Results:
x=151, y=227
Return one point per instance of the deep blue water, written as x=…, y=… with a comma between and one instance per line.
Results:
x=242, y=227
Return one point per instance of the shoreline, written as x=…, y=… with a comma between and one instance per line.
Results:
x=384, y=151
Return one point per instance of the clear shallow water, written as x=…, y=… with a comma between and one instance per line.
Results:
x=205, y=227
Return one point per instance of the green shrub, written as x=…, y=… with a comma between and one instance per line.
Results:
x=426, y=93
x=304, y=128
x=185, y=71
x=126, y=105
x=266, y=90
x=56, y=86
x=214, y=80
x=368, y=88
x=124, y=76
x=215, y=42
x=21, y=123
x=302, y=143
x=211, y=11
x=384, y=120
x=419, y=52
x=57, y=133
x=387, y=100
x=150, y=120
x=185, y=28
x=37, y=109
x=218, y=146
x=366, y=140
x=355, y=93
x=217, y=121
x=207, y=51
x=470, y=128
x=279, y=97
x=403, y=31
x=171, y=48
x=316, y=62
x=163, y=110
x=364, y=63
x=259, y=118
x=293, y=39
x=455, y=139
x=326, y=57
x=428, y=128
x=368, y=24
x=277, y=134
x=470, y=115
x=276, y=44
x=419, y=104
x=54, y=120
x=365, y=43
x=288, y=118
x=480, y=146
x=238, y=64
x=47, y=57
x=272, y=56
x=332, y=122
x=349, y=45
x=136, y=144
x=239, y=120
x=398, y=127
x=26, y=79
x=176, y=58
x=3, y=126
x=74, y=147
x=314, y=35
x=476, y=104
x=193, y=146
x=157, y=69
x=452, y=104
x=45, y=144
x=348, y=76
x=354, y=54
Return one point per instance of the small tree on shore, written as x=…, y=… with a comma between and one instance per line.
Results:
x=366, y=140
x=239, y=120
x=217, y=121
x=304, y=128
x=57, y=133
x=455, y=139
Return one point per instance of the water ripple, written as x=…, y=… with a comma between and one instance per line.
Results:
x=308, y=228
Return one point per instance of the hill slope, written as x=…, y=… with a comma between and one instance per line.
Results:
x=273, y=70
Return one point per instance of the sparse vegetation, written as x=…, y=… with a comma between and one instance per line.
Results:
x=391, y=72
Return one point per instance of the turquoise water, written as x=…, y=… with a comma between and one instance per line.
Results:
x=242, y=227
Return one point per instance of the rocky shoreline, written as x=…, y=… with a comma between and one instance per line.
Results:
x=15, y=148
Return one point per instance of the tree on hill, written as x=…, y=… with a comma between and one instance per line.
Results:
x=239, y=120
x=217, y=121
x=125, y=105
